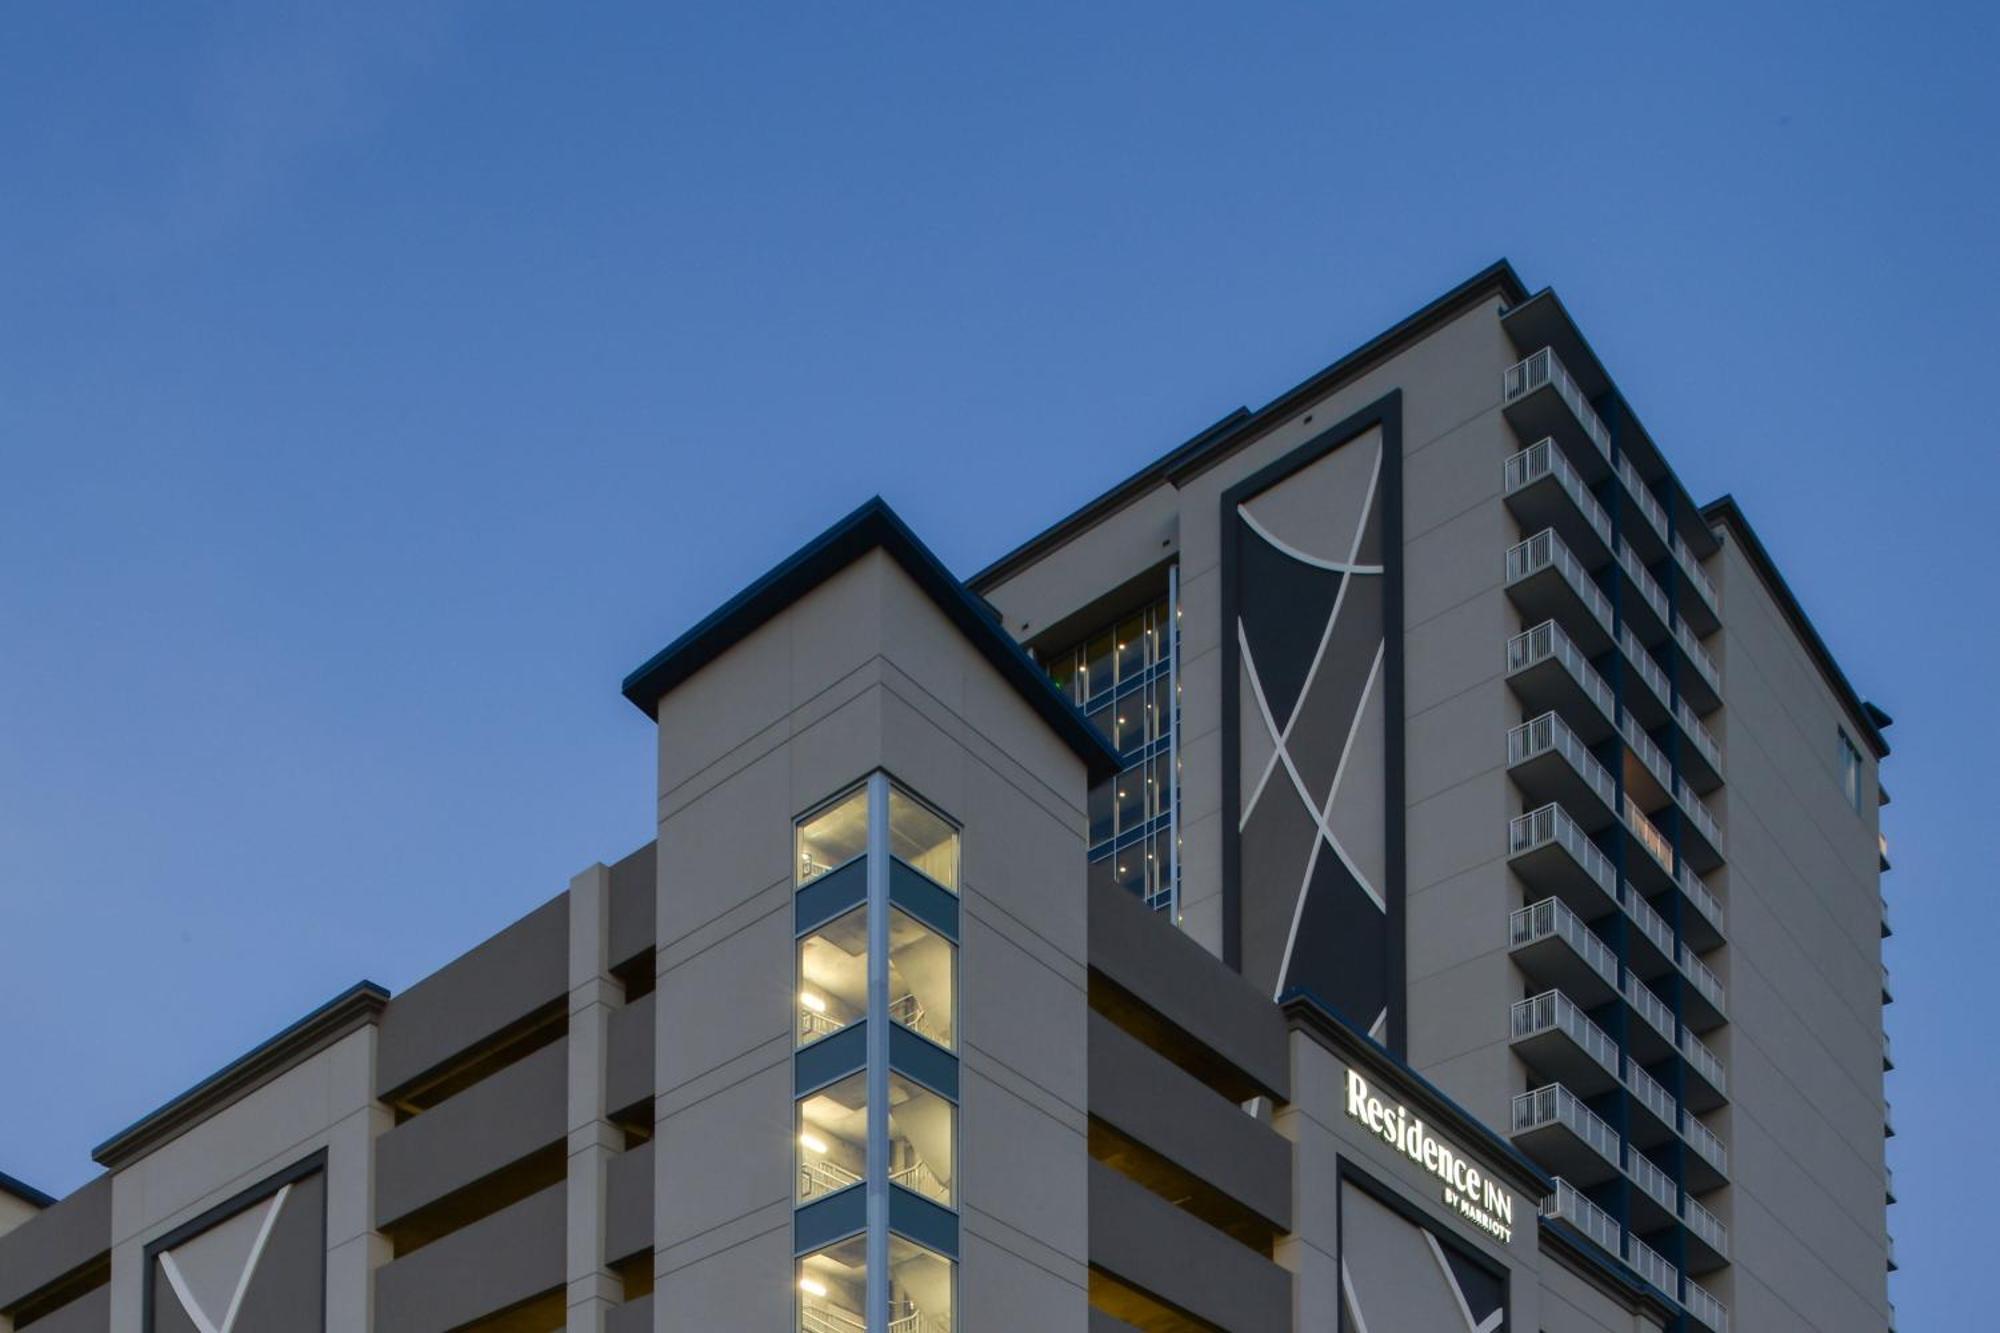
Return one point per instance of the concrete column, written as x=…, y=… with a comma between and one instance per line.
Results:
x=593, y=993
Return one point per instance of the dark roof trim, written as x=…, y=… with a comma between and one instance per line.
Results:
x=1307, y=1012
x=357, y=1007
x=873, y=525
x=1242, y=426
x=1727, y=512
x=25, y=1192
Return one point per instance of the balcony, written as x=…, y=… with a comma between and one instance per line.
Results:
x=1702, y=1006
x=1887, y=998
x=1701, y=841
x=1704, y=926
x=1551, y=853
x=1654, y=704
x=1548, y=671
x=1553, y=1126
x=1647, y=1263
x=1553, y=947
x=1570, y=1204
x=1549, y=764
x=1542, y=490
x=1701, y=680
x=1656, y=1102
x=1697, y=601
x=1701, y=757
x=1655, y=869
x=1653, y=946
x=1708, y=1087
x=1888, y=1054
x=1540, y=398
x=1888, y=1185
x=1652, y=530
x=1708, y=1238
x=1888, y=1120
x=1649, y=612
x=1545, y=581
x=1653, y=780
x=1703, y=1308
x=1708, y=1164
x=1656, y=1202
x=1551, y=1033
x=1652, y=1038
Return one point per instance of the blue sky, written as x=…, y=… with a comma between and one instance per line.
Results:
x=380, y=382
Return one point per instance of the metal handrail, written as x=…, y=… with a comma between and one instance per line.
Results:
x=1690, y=566
x=1544, y=459
x=1704, y=1060
x=1651, y=924
x=1642, y=662
x=1649, y=837
x=1546, y=550
x=1704, y=1141
x=1547, y=640
x=1701, y=1303
x=1697, y=893
x=1545, y=367
x=1552, y=917
x=1554, y=1104
x=813, y=1024
x=919, y=1177
x=1650, y=1178
x=1648, y=1090
x=1648, y=505
x=1701, y=976
x=1649, y=588
x=815, y=1317
x=1571, y=1205
x=1649, y=1006
x=907, y=1010
x=1551, y=823
x=1648, y=1264
x=1704, y=740
x=1651, y=755
x=1539, y=735
x=818, y=1176
x=1698, y=655
x=1707, y=1225
x=1698, y=811
x=1554, y=1011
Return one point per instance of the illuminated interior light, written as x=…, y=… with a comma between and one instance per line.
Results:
x=812, y=1001
x=812, y=1288
x=812, y=1143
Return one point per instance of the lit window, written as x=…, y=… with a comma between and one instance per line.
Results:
x=920, y=1285
x=833, y=1288
x=833, y=1137
x=833, y=976
x=922, y=982
x=834, y=836
x=923, y=839
x=922, y=1128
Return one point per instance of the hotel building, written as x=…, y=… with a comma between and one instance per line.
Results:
x=1397, y=862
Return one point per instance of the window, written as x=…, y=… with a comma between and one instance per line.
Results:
x=833, y=976
x=923, y=982
x=1850, y=771
x=923, y=839
x=1123, y=681
x=834, y=836
x=920, y=1292
x=833, y=1288
x=923, y=1128
x=833, y=1137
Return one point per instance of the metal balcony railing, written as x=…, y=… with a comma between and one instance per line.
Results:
x=813, y=1025
x=1702, y=1305
x=817, y=1176
x=1659, y=1187
x=1651, y=755
x=1648, y=836
x=1541, y=735
x=1545, y=550
x=815, y=1316
x=1703, y=739
x=1698, y=812
x=905, y=1317
x=906, y=1009
x=1547, y=641
x=1703, y=1140
x=1571, y=1205
x=1551, y=823
x=1696, y=576
x=1649, y=1092
x=1649, y=588
x=1647, y=1263
x=1701, y=976
x=919, y=1177
x=1551, y=918
x=1649, y=1006
x=1552, y=1011
x=1656, y=516
x=1556, y=1105
x=1544, y=367
x=1697, y=893
x=1706, y=1062
x=1642, y=662
x=1651, y=924
x=1545, y=459
x=1698, y=655
x=1706, y=1225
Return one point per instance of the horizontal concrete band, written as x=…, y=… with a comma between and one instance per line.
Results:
x=632, y=907
x=628, y=1074
x=494, y=1123
x=497, y=1262
x=1147, y=1243
x=632, y=1317
x=88, y=1313
x=498, y=984
x=1153, y=1101
x=56, y=1242
x=1191, y=989
x=628, y=1204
